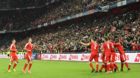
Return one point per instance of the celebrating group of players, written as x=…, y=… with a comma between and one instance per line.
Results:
x=108, y=55
x=14, y=58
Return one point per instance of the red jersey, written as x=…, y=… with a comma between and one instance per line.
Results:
x=106, y=48
x=29, y=47
x=94, y=47
x=112, y=46
x=13, y=49
x=120, y=48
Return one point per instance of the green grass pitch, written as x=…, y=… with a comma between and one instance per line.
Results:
x=60, y=69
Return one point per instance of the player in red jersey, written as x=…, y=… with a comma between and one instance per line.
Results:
x=28, y=56
x=94, y=54
x=103, y=60
x=120, y=48
x=107, y=52
x=113, y=65
x=13, y=56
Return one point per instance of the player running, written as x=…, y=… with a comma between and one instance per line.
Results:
x=13, y=56
x=120, y=48
x=94, y=54
x=28, y=56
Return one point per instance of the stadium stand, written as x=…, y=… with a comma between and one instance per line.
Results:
x=23, y=19
x=65, y=37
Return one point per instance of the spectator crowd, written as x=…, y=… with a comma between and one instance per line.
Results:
x=30, y=18
x=65, y=37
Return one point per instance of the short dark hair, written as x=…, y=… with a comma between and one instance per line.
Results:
x=106, y=38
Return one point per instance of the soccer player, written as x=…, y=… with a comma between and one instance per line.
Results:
x=28, y=56
x=120, y=48
x=113, y=65
x=94, y=54
x=103, y=59
x=13, y=56
x=107, y=52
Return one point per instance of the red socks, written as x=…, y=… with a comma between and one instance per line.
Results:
x=9, y=66
x=97, y=67
x=14, y=65
x=103, y=66
x=91, y=66
x=122, y=65
x=115, y=65
x=24, y=68
x=112, y=66
x=108, y=67
x=30, y=65
x=126, y=64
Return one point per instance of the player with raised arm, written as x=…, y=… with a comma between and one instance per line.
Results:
x=28, y=56
x=94, y=54
x=120, y=48
x=13, y=56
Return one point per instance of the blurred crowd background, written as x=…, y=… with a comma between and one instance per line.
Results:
x=22, y=19
x=65, y=37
